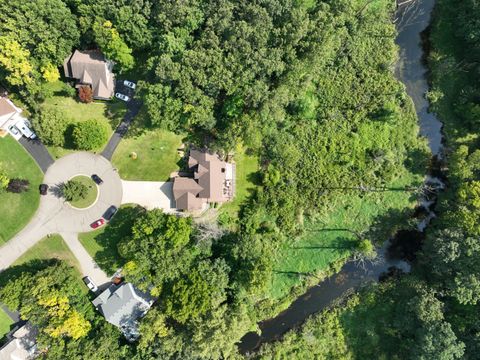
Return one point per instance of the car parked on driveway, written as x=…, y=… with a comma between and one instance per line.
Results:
x=122, y=97
x=24, y=128
x=97, y=179
x=129, y=84
x=97, y=223
x=14, y=130
x=112, y=210
x=43, y=189
x=90, y=284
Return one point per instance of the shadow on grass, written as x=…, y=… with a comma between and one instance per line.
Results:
x=30, y=267
x=119, y=227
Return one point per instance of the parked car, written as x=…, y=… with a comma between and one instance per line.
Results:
x=43, y=189
x=24, y=128
x=122, y=97
x=97, y=179
x=129, y=84
x=90, y=284
x=14, y=130
x=112, y=210
x=97, y=223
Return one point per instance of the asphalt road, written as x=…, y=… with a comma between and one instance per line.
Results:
x=38, y=151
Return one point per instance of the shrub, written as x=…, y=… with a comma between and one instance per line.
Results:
x=18, y=186
x=85, y=94
x=90, y=134
x=74, y=190
x=4, y=180
x=50, y=125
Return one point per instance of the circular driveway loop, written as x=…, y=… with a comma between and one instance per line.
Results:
x=59, y=215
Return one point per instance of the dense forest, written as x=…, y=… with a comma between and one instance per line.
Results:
x=308, y=88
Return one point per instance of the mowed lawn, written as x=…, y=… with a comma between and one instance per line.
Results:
x=333, y=236
x=5, y=323
x=17, y=209
x=110, y=112
x=247, y=179
x=102, y=243
x=157, y=156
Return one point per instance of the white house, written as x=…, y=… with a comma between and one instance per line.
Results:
x=9, y=115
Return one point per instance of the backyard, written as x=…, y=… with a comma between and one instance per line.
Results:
x=63, y=99
x=156, y=156
x=17, y=209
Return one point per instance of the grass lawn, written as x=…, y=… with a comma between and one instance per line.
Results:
x=157, y=156
x=111, y=112
x=5, y=323
x=331, y=237
x=247, y=178
x=91, y=194
x=101, y=244
x=17, y=209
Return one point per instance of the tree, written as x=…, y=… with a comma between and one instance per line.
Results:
x=74, y=190
x=50, y=73
x=112, y=45
x=201, y=290
x=4, y=181
x=18, y=186
x=15, y=61
x=85, y=94
x=51, y=124
x=90, y=134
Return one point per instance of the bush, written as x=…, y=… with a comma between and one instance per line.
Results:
x=90, y=134
x=18, y=186
x=85, y=94
x=4, y=180
x=50, y=125
x=74, y=190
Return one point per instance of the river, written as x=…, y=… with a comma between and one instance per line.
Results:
x=412, y=18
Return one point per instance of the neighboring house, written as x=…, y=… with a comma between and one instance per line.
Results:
x=90, y=67
x=21, y=344
x=9, y=115
x=213, y=181
x=122, y=305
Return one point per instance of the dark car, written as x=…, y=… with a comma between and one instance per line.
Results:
x=112, y=210
x=43, y=189
x=97, y=179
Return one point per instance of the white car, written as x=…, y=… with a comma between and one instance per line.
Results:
x=14, y=130
x=90, y=284
x=122, y=97
x=23, y=126
x=129, y=84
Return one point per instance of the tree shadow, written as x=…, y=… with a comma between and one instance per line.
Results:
x=30, y=267
x=118, y=228
x=417, y=161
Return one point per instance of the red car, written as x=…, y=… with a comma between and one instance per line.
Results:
x=97, y=223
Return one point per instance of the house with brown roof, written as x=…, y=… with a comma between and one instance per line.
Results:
x=212, y=180
x=90, y=67
x=9, y=115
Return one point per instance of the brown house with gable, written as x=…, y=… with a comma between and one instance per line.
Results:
x=90, y=67
x=213, y=181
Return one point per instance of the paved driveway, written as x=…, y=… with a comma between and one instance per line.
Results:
x=56, y=216
x=149, y=194
x=38, y=151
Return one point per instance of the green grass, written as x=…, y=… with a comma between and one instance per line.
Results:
x=17, y=209
x=101, y=244
x=91, y=194
x=157, y=156
x=247, y=179
x=5, y=323
x=333, y=235
x=111, y=112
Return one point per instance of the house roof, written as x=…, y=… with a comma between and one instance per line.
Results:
x=6, y=107
x=208, y=183
x=91, y=68
x=122, y=304
x=22, y=345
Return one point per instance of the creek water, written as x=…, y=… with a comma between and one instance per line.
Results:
x=411, y=18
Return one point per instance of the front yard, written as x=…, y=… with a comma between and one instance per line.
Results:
x=156, y=152
x=17, y=209
x=5, y=323
x=110, y=112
